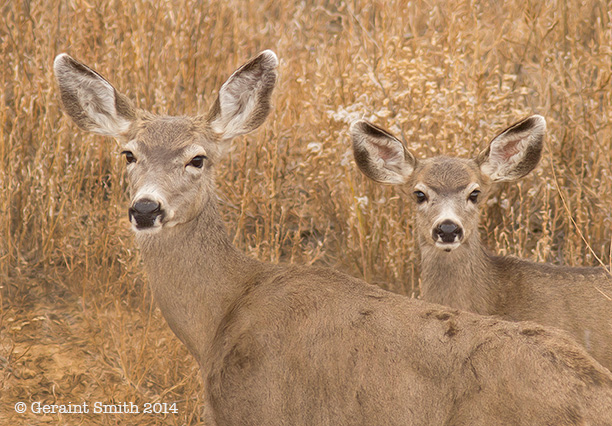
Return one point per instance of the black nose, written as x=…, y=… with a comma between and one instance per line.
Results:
x=448, y=231
x=144, y=212
x=146, y=206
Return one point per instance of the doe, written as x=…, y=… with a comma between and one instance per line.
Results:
x=456, y=270
x=295, y=345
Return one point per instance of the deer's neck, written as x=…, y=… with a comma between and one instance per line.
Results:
x=464, y=278
x=196, y=274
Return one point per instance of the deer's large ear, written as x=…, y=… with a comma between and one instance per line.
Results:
x=514, y=152
x=90, y=100
x=244, y=99
x=380, y=155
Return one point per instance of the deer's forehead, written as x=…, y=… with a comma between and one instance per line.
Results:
x=169, y=137
x=448, y=174
x=166, y=130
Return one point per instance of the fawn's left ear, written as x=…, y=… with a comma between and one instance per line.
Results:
x=514, y=152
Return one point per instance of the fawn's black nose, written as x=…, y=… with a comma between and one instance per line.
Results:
x=144, y=212
x=447, y=232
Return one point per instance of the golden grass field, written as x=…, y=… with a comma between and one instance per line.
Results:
x=77, y=323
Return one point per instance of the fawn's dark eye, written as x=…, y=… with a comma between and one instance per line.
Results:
x=420, y=197
x=473, y=197
x=197, y=161
x=129, y=157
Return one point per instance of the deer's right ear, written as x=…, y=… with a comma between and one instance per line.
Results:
x=244, y=99
x=90, y=100
x=380, y=155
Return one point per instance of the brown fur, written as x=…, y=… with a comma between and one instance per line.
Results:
x=294, y=345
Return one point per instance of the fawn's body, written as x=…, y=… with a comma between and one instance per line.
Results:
x=456, y=270
x=292, y=345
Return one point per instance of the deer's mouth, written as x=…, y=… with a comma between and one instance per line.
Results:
x=146, y=223
x=447, y=247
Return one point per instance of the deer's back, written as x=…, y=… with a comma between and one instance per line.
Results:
x=314, y=346
x=577, y=300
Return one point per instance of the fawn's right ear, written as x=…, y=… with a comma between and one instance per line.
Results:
x=380, y=155
x=514, y=152
x=90, y=100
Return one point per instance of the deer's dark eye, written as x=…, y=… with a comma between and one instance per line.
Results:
x=197, y=161
x=473, y=197
x=129, y=157
x=420, y=197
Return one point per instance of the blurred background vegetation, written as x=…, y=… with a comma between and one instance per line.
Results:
x=77, y=322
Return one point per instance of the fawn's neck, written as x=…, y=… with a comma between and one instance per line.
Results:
x=196, y=274
x=464, y=278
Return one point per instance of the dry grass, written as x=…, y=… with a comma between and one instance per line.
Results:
x=77, y=322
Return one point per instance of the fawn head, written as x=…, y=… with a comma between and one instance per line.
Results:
x=170, y=160
x=447, y=191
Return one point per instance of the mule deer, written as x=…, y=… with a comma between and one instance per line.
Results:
x=456, y=270
x=298, y=345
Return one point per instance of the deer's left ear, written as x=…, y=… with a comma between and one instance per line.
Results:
x=244, y=99
x=514, y=152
